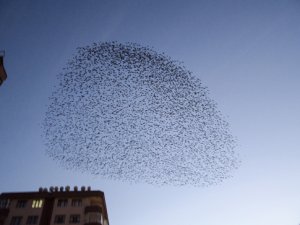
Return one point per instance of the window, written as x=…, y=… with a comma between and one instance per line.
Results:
x=32, y=220
x=62, y=202
x=93, y=217
x=21, y=203
x=16, y=220
x=4, y=203
x=74, y=219
x=59, y=219
x=37, y=203
x=76, y=202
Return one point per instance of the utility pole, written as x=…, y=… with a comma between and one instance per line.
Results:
x=3, y=74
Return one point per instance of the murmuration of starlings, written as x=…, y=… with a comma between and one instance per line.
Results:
x=126, y=112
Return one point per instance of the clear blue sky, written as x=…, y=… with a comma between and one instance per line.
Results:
x=246, y=52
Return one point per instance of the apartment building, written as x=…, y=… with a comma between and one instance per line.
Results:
x=3, y=74
x=54, y=206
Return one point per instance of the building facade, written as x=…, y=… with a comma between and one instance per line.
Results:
x=3, y=74
x=54, y=206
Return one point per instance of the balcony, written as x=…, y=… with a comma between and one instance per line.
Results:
x=94, y=223
x=92, y=208
x=93, y=215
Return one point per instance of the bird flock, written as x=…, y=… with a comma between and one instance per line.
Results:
x=126, y=112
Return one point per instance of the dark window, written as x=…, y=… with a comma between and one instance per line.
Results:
x=76, y=202
x=21, y=203
x=4, y=203
x=16, y=220
x=62, y=202
x=32, y=220
x=59, y=219
x=74, y=218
